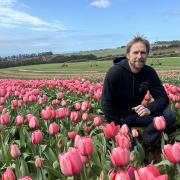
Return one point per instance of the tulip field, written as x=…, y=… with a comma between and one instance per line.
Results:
x=55, y=129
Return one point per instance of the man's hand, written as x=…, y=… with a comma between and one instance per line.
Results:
x=141, y=110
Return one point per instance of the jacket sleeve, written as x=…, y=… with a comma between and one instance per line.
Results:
x=159, y=94
x=107, y=101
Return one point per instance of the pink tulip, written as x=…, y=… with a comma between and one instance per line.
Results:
x=28, y=117
x=85, y=116
x=135, y=133
x=60, y=95
x=85, y=145
x=53, y=128
x=159, y=123
x=70, y=162
x=37, y=137
x=33, y=123
x=97, y=121
x=86, y=129
x=172, y=152
x=119, y=156
x=5, y=119
x=121, y=175
x=14, y=104
x=176, y=151
x=39, y=162
x=77, y=106
x=124, y=129
x=2, y=92
x=123, y=141
x=110, y=130
x=19, y=120
x=149, y=172
x=74, y=116
x=8, y=174
x=63, y=103
x=72, y=134
x=14, y=151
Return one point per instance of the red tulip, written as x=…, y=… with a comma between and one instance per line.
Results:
x=19, y=120
x=149, y=172
x=37, y=137
x=85, y=145
x=8, y=174
x=14, y=151
x=159, y=123
x=119, y=156
x=110, y=130
x=53, y=128
x=70, y=162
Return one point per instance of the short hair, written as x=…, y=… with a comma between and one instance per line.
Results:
x=138, y=39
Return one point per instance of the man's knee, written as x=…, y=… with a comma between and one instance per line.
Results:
x=169, y=116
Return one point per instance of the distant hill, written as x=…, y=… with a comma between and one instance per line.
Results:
x=158, y=49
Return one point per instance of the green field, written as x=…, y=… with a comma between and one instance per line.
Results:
x=88, y=67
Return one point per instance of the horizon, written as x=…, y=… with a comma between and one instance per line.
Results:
x=66, y=27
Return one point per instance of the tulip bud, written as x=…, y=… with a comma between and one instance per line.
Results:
x=37, y=137
x=39, y=162
x=53, y=128
x=14, y=151
x=135, y=133
x=5, y=119
x=19, y=120
x=159, y=123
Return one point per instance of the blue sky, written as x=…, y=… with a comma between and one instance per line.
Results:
x=32, y=26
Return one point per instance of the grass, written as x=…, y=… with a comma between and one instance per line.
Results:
x=88, y=67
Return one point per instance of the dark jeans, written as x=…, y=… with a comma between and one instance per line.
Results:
x=150, y=134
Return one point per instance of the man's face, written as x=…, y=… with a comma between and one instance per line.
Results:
x=137, y=56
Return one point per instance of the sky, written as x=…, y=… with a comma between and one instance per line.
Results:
x=62, y=26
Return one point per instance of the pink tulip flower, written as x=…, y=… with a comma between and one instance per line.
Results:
x=110, y=130
x=5, y=119
x=119, y=156
x=37, y=137
x=159, y=123
x=85, y=145
x=19, y=120
x=70, y=162
x=8, y=174
x=149, y=172
x=14, y=151
x=53, y=128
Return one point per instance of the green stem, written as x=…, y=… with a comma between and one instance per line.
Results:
x=2, y=145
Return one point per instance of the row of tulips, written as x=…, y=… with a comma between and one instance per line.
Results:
x=54, y=129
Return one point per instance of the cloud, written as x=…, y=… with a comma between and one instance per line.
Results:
x=101, y=3
x=10, y=16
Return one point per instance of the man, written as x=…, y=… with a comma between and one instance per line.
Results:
x=125, y=86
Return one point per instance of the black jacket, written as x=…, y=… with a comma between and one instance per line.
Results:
x=123, y=90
